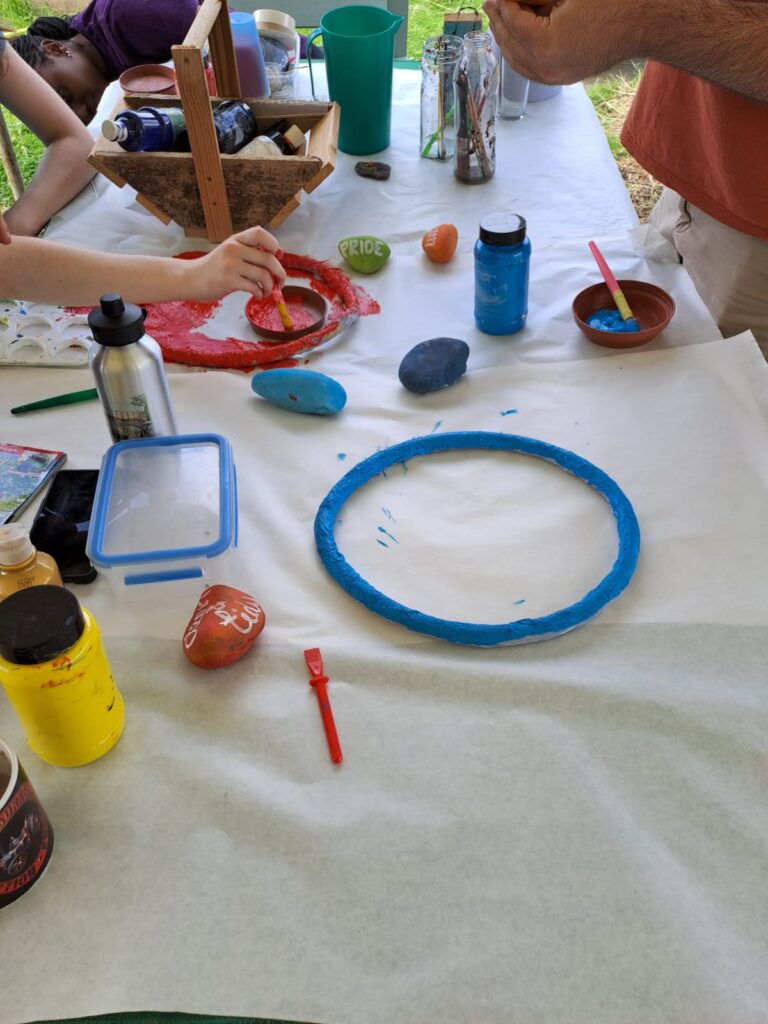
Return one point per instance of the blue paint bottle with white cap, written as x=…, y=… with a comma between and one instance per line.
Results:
x=502, y=259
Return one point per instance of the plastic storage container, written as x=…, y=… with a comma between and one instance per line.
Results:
x=165, y=509
x=280, y=45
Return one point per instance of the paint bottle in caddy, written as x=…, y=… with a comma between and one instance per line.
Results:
x=129, y=372
x=164, y=129
x=55, y=672
x=148, y=129
x=289, y=140
x=281, y=140
x=502, y=258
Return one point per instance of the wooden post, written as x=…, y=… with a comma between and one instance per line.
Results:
x=212, y=23
x=10, y=163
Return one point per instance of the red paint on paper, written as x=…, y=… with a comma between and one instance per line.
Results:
x=178, y=326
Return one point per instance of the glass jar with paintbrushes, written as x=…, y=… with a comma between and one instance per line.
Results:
x=438, y=63
x=476, y=89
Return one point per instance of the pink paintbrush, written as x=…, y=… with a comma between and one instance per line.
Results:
x=613, y=287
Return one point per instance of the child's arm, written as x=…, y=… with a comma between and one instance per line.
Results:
x=63, y=170
x=41, y=271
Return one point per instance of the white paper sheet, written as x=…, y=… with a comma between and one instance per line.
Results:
x=682, y=432
x=573, y=831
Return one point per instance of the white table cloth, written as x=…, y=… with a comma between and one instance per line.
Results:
x=571, y=831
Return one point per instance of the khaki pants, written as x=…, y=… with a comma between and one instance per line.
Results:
x=728, y=268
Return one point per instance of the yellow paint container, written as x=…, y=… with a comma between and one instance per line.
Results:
x=55, y=673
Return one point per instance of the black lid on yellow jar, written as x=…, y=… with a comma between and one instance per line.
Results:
x=38, y=624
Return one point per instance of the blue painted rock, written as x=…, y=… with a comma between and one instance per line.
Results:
x=433, y=364
x=365, y=253
x=300, y=391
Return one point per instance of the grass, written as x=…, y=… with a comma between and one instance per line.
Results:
x=425, y=18
x=611, y=96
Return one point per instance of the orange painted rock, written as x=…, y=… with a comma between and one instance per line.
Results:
x=440, y=243
x=223, y=627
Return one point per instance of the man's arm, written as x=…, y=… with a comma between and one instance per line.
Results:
x=64, y=169
x=723, y=41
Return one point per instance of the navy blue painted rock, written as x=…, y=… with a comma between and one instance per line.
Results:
x=433, y=364
x=300, y=391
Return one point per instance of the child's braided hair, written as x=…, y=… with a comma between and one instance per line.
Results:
x=30, y=45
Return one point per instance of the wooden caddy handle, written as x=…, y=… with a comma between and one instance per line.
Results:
x=212, y=23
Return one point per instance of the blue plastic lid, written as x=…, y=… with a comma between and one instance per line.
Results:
x=162, y=500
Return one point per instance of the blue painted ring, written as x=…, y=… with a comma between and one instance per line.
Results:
x=478, y=633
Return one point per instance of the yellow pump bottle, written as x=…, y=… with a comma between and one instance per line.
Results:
x=21, y=564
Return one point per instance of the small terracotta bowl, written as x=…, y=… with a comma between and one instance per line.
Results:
x=156, y=78
x=652, y=307
x=259, y=310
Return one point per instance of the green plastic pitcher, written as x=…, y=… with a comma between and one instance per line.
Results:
x=359, y=49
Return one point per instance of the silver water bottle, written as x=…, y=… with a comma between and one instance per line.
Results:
x=129, y=372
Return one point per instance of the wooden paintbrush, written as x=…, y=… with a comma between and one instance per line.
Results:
x=282, y=309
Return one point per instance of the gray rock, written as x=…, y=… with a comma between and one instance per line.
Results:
x=373, y=169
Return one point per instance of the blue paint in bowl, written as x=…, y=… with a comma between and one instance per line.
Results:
x=611, y=320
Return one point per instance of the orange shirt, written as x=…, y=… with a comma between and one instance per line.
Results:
x=708, y=144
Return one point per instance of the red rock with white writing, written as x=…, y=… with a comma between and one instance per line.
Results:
x=223, y=627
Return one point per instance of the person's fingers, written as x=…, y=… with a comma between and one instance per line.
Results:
x=528, y=37
x=258, y=238
x=5, y=234
x=259, y=258
x=256, y=285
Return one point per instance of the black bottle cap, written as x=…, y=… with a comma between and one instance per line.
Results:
x=502, y=229
x=38, y=624
x=115, y=322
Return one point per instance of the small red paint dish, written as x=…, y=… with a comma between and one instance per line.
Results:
x=306, y=308
x=155, y=78
x=651, y=306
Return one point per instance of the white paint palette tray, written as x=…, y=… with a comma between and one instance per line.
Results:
x=32, y=334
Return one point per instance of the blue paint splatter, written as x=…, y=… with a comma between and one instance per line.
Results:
x=388, y=534
x=22, y=311
x=521, y=601
x=341, y=456
x=436, y=426
x=507, y=412
x=388, y=514
x=383, y=543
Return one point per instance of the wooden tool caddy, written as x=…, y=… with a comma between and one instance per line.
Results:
x=206, y=192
